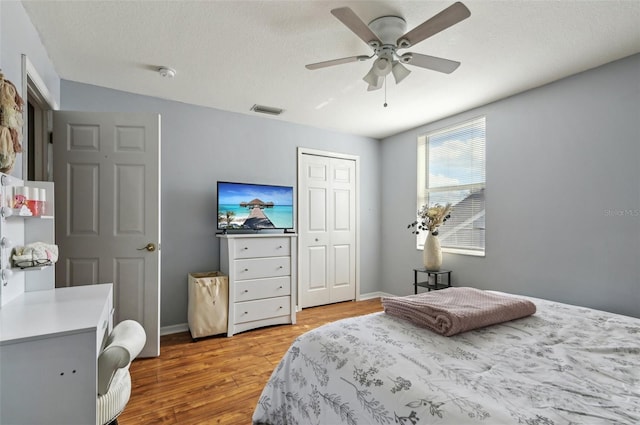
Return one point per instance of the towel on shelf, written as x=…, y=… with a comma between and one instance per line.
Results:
x=451, y=311
x=35, y=254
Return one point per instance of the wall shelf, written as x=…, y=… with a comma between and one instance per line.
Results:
x=38, y=267
x=19, y=231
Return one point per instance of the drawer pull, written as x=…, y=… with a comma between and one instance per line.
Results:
x=280, y=308
x=281, y=267
x=280, y=247
x=245, y=248
x=246, y=270
x=245, y=291
x=280, y=287
x=246, y=312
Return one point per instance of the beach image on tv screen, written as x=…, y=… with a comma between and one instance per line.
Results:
x=252, y=206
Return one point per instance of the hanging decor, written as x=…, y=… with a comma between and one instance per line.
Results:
x=10, y=124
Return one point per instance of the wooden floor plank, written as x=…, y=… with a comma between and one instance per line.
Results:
x=218, y=380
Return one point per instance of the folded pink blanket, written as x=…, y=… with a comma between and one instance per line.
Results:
x=451, y=311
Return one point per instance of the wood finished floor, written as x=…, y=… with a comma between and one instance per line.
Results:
x=218, y=380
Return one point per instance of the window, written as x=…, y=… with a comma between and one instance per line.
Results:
x=451, y=168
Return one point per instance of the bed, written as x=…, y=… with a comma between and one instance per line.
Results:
x=563, y=365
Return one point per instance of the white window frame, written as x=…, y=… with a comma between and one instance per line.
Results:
x=423, y=170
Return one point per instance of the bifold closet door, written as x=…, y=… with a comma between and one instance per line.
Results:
x=327, y=230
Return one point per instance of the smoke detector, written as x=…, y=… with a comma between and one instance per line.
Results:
x=166, y=72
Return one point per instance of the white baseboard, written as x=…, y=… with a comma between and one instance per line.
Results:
x=184, y=327
x=377, y=294
x=174, y=329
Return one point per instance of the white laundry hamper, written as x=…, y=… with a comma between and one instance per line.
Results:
x=208, y=309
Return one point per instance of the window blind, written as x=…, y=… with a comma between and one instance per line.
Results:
x=451, y=168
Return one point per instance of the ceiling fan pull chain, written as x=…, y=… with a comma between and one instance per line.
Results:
x=385, y=91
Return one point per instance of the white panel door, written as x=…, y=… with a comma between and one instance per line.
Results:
x=342, y=230
x=313, y=216
x=327, y=229
x=107, y=182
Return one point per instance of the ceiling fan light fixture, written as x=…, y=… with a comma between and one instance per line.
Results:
x=376, y=84
x=382, y=67
x=399, y=71
x=372, y=78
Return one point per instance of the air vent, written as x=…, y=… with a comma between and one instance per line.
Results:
x=267, y=110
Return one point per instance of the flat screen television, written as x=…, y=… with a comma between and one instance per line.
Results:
x=247, y=206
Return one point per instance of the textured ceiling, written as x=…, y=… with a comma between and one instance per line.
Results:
x=231, y=55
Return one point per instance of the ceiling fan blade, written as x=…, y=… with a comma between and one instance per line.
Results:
x=431, y=62
x=443, y=20
x=336, y=62
x=355, y=24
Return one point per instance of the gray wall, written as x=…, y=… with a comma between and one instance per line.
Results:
x=563, y=194
x=202, y=145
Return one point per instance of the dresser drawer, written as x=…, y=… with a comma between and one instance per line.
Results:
x=256, y=289
x=249, y=311
x=256, y=268
x=262, y=247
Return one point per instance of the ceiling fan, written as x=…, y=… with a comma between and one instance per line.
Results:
x=385, y=36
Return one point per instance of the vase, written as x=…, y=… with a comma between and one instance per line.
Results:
x=432, y=253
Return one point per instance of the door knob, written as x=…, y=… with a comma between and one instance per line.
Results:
x=149, y=247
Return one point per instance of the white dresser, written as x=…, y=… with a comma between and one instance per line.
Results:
x=262, y=279
x=49, y=346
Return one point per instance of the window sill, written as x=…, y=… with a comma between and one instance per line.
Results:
x=459, y=251
x=464, y=252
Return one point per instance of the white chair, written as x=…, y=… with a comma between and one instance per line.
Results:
x=114, y=382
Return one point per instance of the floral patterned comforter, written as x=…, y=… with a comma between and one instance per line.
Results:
x=563, y=365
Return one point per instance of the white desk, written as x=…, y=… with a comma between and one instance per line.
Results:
x=49, y=346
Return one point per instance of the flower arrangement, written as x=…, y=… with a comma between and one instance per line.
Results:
x=430, y=218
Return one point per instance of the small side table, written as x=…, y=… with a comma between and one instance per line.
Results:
x=427, y=284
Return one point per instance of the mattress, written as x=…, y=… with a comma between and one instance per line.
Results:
x=563, y=365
